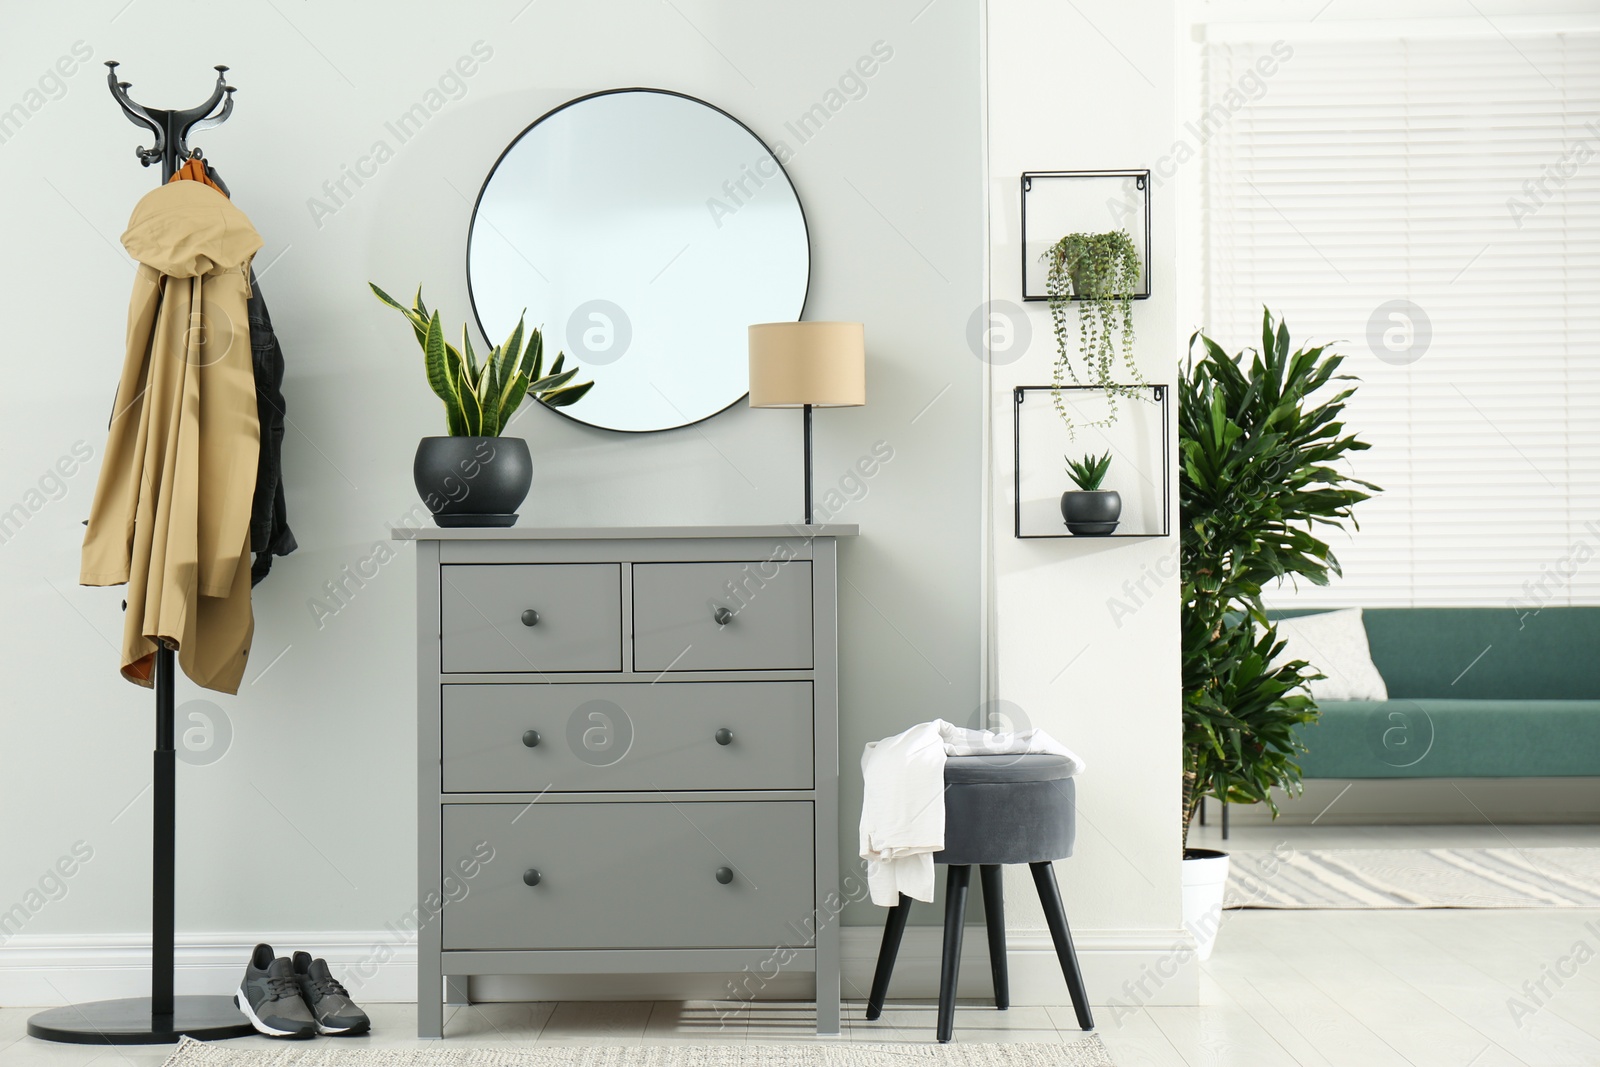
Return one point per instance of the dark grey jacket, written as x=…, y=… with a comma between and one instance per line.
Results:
x=269, y=520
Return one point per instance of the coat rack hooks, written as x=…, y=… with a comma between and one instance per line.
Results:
x=171, y=129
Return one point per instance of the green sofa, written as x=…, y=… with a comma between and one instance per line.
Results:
x=1473, y=693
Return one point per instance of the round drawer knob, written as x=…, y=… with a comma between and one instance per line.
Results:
x=530, y=618
x=530, y=877
x=723, y=616
x=724, y=875
x=724, y=736
x=530, y=738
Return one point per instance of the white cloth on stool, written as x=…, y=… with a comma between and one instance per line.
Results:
x=902, y=806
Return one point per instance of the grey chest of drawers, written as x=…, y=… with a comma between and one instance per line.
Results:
x=627, y=755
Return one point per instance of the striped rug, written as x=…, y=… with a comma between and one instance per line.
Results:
x=1415, y=878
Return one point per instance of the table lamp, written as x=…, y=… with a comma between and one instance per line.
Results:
x=807, y=365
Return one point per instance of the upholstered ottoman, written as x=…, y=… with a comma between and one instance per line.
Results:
x=998, y=809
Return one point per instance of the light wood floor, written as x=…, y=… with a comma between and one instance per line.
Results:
x=1321, y=989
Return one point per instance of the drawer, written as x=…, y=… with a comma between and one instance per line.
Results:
x=621, y=737
x=765, y=605
x=531, y=617
x=633, y=875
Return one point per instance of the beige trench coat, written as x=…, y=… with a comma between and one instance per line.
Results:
x=171, y=513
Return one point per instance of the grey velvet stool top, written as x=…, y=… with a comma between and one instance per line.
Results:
x=1015, y=767
x=1008, y=809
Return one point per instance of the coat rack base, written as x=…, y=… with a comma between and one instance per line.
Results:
x=129, y=1022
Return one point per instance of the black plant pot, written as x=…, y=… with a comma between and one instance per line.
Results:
x=473, y=481
x=1092, y=514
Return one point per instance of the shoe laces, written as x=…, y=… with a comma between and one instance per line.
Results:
x=329, y=987
x=281, y=988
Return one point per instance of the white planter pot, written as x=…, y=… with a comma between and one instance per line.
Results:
x=1205, y=876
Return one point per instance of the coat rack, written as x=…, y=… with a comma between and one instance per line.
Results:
x=160, y=1018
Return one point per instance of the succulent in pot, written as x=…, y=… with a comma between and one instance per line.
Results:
x=1090, y=511
x=474, y=476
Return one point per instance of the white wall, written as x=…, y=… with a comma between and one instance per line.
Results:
x=1090, y=86
x=307, y=823
x=304, y=828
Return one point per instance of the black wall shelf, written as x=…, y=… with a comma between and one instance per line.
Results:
x=1141, y=462
x=1058, y=202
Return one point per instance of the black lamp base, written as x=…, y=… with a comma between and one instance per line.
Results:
x=808, y=463
x=129, y=1022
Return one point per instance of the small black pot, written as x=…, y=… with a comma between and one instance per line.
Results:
x=1091, y=514
x=473, y=481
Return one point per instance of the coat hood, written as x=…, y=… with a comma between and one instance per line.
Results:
x=186, y=229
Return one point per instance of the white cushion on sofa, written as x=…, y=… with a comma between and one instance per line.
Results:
x=1335, y=643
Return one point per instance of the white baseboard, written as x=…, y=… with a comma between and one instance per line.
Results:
x=43, y=971
x=1134, y=967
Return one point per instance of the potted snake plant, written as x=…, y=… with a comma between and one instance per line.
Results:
x=474, y=476
x=1090, y=511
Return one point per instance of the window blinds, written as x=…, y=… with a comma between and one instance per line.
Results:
x=1433, y=205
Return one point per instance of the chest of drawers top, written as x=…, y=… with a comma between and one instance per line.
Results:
x=784, y=531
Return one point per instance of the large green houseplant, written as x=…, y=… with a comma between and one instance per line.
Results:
x=1261, y=440
x=473, y=477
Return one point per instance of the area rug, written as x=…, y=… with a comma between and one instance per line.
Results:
x=1415, y=878
x=1087, y=1052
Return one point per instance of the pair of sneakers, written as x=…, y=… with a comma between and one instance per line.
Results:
x=296, y=998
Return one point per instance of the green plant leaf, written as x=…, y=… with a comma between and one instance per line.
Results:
x=533, y=358
x=507, y=364
x=554, y=381
x=472, y=414
x=440, y=380
x=387, y=299
x=564, y=397
x=515, y=394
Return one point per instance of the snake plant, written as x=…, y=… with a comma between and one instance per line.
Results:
x=480, y=399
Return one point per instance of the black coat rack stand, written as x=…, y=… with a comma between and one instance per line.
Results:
x=160, y=1018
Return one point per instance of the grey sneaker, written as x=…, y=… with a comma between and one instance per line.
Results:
x=329, y=1001
x=269, y=996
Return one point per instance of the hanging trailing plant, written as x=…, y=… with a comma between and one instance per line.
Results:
x=1099, y=273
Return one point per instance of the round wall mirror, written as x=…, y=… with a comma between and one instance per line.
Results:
x=644, y=231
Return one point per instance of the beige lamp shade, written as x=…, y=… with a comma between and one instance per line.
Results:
x=793, y=364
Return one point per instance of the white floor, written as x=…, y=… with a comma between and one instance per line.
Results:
x=1321, y=989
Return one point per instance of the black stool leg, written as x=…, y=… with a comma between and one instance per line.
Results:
x=1224, y=820
x=955, y=915
x=1044, y=879
x=892, y=929
x=994, y=912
